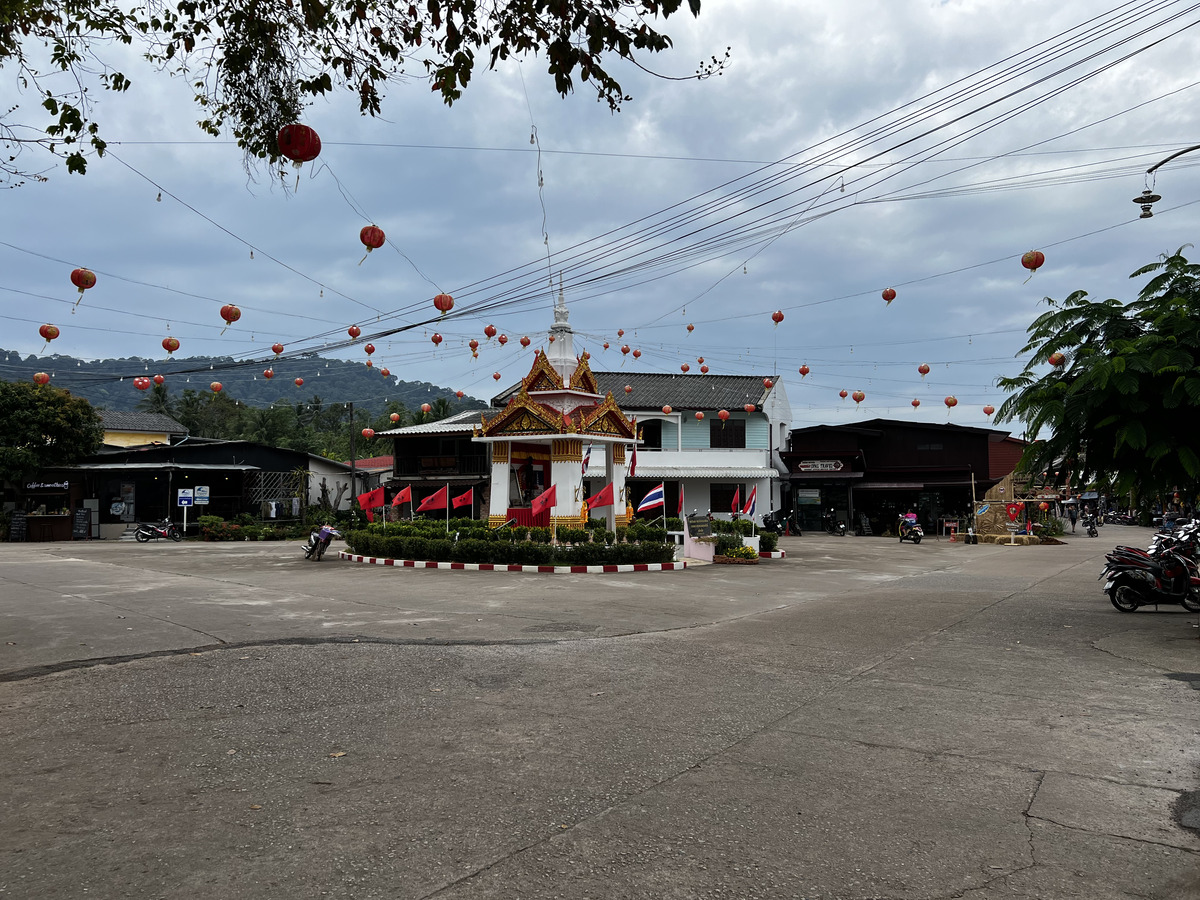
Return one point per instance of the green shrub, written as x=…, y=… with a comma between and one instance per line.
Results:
x=573, y=535
x=768, y=541
x=674, y=523
x=539, y=535
x=622, y=533
x=520, y=533
x=725, y=543
x=740, y=552
x=610, y=537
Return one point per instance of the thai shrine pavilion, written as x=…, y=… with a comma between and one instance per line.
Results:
x=540, y=438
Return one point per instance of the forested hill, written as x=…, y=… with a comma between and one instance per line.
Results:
x=333, y=380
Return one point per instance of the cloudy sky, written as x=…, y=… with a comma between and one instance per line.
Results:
x=848, y=148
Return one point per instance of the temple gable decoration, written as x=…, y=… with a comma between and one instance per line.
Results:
x=606, y=419
x=524, y=415
x=582, y=378
x=542, y=377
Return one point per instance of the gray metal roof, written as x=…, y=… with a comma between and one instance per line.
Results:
x=116, y=420
x=654, y=390
x=716, y=473
x=459, y=423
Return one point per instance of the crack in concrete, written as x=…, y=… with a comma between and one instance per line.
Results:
x=1119, y=837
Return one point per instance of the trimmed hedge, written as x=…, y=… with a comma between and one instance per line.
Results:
x=499, y=548
x=768, y=541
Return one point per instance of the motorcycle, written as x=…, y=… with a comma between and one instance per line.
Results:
x=832, y=525
x=319, y=540
x=910, y=531
x=1089, y=525
x=1133, y=582
x=779, y=522
x=164, y=529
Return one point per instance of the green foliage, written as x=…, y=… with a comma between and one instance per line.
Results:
x=725, y=543
x=254, y=67
x=768, y=541
x=739, y=526
x=1123, y=407
x=43, y=426
x=674, y=523
x=741, y=551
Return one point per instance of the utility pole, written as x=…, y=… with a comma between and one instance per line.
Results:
x=353, y=468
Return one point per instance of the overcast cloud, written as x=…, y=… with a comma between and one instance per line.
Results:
x=457, y=193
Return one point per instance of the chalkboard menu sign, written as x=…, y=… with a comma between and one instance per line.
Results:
x=16, y=527
x=699, y=526
x=81, y=525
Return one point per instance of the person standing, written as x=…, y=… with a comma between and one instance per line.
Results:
x=1073, y=515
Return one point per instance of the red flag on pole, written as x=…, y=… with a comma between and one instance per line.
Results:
x=404, y=496
x=466, y=499
x=737, y=507
x=544, y=500
x=435, y=500
x=679, y=510
x=370, y=500
x=604, y=498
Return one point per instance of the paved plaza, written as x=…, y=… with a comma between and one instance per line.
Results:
x=863, y=719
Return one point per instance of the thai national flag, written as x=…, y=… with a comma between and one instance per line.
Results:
x=748, y=509
x=587, y=458
x=652, y=499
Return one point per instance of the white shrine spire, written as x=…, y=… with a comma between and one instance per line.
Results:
x=561, y=353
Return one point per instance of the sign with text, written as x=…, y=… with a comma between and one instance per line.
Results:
x=699, y=526
x=185, y=497
x=201, y=494
x=820, y=465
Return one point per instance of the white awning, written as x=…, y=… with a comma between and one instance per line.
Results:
x=707, y=473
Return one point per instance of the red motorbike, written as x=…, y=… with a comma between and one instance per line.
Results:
x=1134, y=581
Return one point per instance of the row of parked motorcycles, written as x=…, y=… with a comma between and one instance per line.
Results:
x=1165, y=573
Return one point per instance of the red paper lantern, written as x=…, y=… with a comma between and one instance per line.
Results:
x=768, y=383
x=628, y=389
x=1056, y=359
x=49, y=332
x=700, y=360
x=923, y=368
x=277, y=349
x=395, y=417
x=804, y=370
x=777, y=316
x=368, y=433
x=299, y=382
x=684, y=368
x=443, y=303
x=230, y=314
x=425, y=408
x=723, y=415
x=842, y=393
x=704, y=370
x=216, y=387
x=170, y=344
x=41, y=378
x=299, y=143
x=141, y=383
x=436, y=338
x=372, y=237
x=473, y=344
x=268, y=374
x=490, y=331
x=83, y=279
x=889, y=295
x=916, y=403
x=354, y=331
x=624, y=349
x=749, y=407
x=699, y=417
x=858, y=397
x=385, y=372
x=691, y=327
x=620, y=332
x=666, y=410
x=525, y=342
x=370, y=348
x=951, y=402
x=1044, y=506
x=605, y=344
x=159, y=379
x=988, y=410
x=370, y=364
x=637, y=354
x=459, y=394
x=502, y=340
x=1033, y=260
x=496, y=376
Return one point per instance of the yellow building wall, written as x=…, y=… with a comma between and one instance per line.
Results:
x=135, y=438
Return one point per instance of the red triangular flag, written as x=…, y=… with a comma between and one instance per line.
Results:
x=604, y=498
x=736, y=508
x=545, y=500
x=405, y=496
x=466, y=499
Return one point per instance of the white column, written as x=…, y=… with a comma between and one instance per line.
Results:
x=501, y=480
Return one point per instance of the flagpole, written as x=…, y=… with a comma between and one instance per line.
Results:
x=447, y=507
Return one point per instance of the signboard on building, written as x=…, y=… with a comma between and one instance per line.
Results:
x=185, y=497
x=699, y=526
x=201, y=494
x=820, y=465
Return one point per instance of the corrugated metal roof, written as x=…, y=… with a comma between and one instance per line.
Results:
x=460, y=423
x=115, y=420
x=216, y=467
x=654, y=390
x=706, y=472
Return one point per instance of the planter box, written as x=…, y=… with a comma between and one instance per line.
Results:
x=751, y=542
x=734, y=561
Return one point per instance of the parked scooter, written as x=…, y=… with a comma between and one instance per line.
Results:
x=1144, y=581
x=779, y=521
x=1089, y=525
x=910, y=531
x=833, y=525
x=319, y=540
x=164, y=529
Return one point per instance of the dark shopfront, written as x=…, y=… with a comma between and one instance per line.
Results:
x=870, y=474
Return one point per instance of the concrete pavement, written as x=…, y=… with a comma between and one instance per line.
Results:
x=864, y=719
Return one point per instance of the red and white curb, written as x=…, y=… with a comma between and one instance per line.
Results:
x=494, y=567
x=772, y=554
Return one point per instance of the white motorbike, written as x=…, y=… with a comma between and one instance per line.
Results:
x=318, y=542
